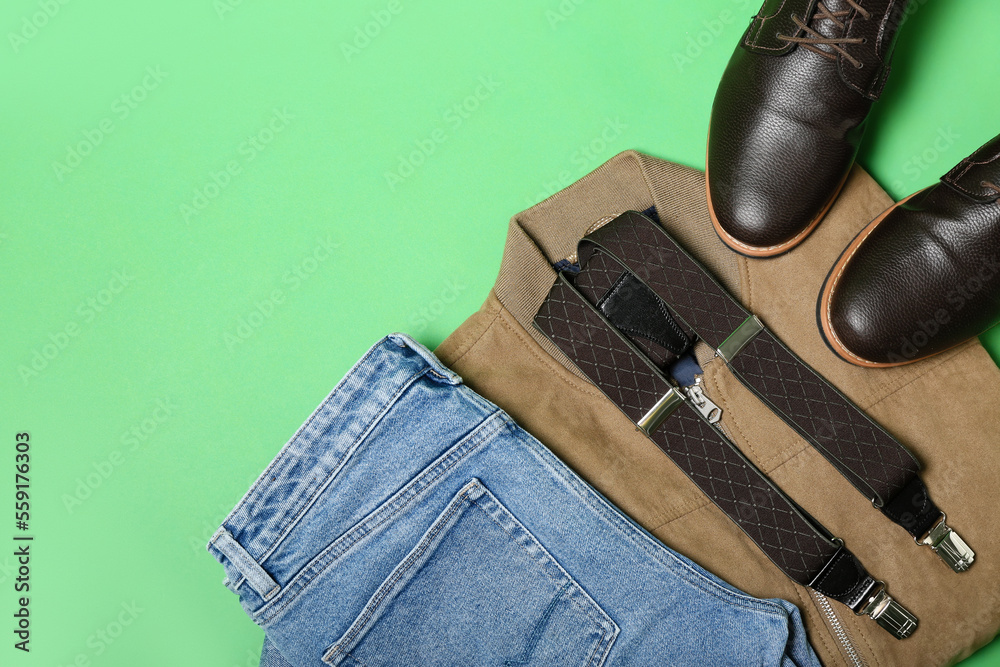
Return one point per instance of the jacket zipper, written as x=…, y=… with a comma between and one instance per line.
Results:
x=709, y=410
x=840, y=632
x=713, y=414
x=703, y=404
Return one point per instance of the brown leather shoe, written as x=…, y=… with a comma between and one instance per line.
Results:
x=789, y=116
x=922, y=277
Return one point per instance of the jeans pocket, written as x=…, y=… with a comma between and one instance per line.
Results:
x=477, y=589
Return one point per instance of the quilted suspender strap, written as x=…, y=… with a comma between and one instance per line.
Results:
x=804, y=550
x=875, y=463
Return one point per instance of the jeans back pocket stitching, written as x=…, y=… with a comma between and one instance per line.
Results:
x=536, y=635
x=605, y=625
x=483, y=433
x=387, y=586
x=593, y=611
x=589, y=610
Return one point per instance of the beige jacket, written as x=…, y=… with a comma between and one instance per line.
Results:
x=945, y=409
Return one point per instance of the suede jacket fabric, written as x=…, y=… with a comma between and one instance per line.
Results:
x=946, y=410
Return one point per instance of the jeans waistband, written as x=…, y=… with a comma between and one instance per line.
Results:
x=310, y=460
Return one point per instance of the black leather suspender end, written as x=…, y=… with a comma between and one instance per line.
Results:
x=875, y=463
x=844, y=579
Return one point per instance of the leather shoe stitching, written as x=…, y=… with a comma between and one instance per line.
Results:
x=761, y=23
x=991, y=185
x=962, y=168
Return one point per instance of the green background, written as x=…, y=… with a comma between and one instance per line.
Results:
x=308, y=233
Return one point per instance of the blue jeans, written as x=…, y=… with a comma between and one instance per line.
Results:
x=411, y=522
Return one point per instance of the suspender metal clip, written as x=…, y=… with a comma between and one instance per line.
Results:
x=888, y=613
x=947, y=544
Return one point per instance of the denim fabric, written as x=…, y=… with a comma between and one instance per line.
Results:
x=411, y=522
x=270, y=656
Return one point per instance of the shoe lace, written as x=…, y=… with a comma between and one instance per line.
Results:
x=991, y=185
x=812, y=39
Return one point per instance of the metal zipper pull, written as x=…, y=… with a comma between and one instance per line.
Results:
x=709, y=410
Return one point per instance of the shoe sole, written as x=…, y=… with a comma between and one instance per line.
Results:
x=823, y=314
x=756, y=252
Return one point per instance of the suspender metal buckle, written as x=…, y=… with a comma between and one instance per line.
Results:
x=659, y=412
x=888, y=613
x=947, y=544
x=739, y=339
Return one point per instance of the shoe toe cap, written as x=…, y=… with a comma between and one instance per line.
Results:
x=904, y=294
x=769, y=206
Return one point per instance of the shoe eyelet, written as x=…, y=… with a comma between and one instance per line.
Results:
x=859, y=66
x=864, y=40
